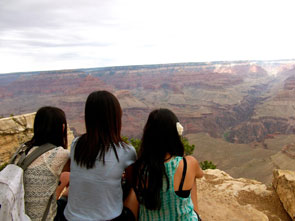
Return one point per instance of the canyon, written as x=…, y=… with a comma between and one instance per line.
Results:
x=238, y=114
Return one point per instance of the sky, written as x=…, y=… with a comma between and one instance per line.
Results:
x=40, y=35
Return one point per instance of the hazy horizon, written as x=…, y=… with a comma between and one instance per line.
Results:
x=230, y=62
x=55, y=35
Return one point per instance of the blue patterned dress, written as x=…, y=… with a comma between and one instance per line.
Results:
x=173, y=207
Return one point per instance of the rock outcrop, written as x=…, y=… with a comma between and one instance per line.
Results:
x=221, y=197
x=289, y=150
x=284, y=184
x=16, y=130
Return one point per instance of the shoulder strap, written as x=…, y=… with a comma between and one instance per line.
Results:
x=45, y=214
x=20, y=151
x=24, y=163
x=183, y=175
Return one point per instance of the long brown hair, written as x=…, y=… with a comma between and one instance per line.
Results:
x=50, y=126
x=160, y=137
x=103, y=115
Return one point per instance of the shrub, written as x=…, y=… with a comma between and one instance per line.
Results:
x=188, y=149
x=226, y=136
x=133, y=141
x=2, y=166
x=207, y=165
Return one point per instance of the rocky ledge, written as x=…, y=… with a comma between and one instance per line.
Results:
x=284, y=184
x=222, y=197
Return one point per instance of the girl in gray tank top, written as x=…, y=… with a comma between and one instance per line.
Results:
x=98, y=160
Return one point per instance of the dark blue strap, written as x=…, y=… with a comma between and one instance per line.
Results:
x=183, y=175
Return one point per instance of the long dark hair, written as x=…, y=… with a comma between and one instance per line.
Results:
x=50, y=126
x=159, y=138
x=103, y=115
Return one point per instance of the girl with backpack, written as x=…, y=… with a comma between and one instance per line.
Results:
x=42, y=175
x=163, y=178
x=98, y=160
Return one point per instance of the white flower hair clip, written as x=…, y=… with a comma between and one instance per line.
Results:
x=179, y=128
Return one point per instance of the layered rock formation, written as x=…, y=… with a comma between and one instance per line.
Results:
x=16, y=130
x=221, y=197
x=212, y=97
x=242, y=102
x=289, y=150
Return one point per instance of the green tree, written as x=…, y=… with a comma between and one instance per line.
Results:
x=2, y=166
x=226, y=136
x=125, y=139
x=133, y=141
x=207, y=165
x=188, y=149
x=136, y=143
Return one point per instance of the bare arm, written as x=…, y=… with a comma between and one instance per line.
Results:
x=199, y=171
x=128, y=174
x=64, y=180
x=132, y=203
x=131, y=200
x=194, y=196
x=67, y=166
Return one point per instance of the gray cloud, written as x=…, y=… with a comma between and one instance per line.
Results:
x=29, y=43
x=50, y=30
x=17, y=15
x=40, y=34
x=68, y=56
x=27, y=14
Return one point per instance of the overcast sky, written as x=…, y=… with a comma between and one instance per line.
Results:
x=60, y=34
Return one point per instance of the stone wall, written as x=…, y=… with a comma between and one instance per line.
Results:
x=16, y=130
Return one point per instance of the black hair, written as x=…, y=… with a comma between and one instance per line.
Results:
x=103, y=115
x=50, y=126
x=160, y=137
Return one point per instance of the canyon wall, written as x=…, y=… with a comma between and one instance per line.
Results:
x=248, y=104
x=246, y=100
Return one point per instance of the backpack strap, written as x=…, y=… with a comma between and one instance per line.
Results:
x=47, y=208
x=24, y=163
x=19, y=152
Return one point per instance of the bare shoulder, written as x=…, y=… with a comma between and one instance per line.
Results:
x=191, y=159
x=193, y=162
